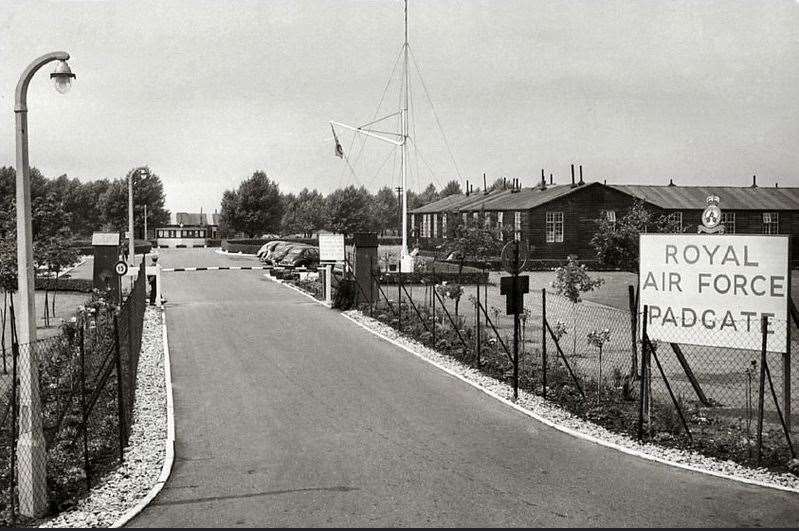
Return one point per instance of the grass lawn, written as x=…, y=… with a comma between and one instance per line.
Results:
x=66, y=304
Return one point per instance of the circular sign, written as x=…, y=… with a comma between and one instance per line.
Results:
x=509, y=261
x=711, y=216
x=121, y=268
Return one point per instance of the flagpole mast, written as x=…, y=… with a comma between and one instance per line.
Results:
x=404, y=129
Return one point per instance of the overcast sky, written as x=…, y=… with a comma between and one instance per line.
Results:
x=208, y=92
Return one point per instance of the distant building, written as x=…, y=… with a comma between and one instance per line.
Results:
x=188, y=230
x=559, y=220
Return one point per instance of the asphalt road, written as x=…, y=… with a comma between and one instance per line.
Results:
x=288, y=414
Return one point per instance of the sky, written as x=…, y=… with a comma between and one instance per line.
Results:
x=207, y=92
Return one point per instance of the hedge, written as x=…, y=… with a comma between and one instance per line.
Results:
x=419, y=277
x=85, y=247
x=81, y=285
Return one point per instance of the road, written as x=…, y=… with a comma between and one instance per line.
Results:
x=288, y=414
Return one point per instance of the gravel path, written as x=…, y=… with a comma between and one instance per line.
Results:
x=121, y=489
x=560, y=418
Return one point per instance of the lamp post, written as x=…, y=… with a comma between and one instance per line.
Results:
x=131, y=246
x=31, y=469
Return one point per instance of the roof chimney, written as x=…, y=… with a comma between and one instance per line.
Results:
x=543, y=180
x=467, y=187
x=671, y=182
x=504, y=183
x=754, y=181
x=550, y=179
x=776, y=185
x=485, y=186
x=573, y=184
x=581, y=175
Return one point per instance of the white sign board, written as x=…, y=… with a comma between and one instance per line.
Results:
x=715, y=289
x=331, y=247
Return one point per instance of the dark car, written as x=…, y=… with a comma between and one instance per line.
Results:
x=306, y=256
x=278, y=252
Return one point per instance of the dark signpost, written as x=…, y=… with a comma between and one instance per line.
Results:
x=514, y=257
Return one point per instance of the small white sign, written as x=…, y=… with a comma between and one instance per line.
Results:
x=331, y=247
x=121, y=268
x=715, y=289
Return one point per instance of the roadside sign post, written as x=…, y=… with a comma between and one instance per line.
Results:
x=331, y=251
x=514, y=257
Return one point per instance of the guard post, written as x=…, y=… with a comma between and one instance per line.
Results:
x=106, y=247
x=365, y=257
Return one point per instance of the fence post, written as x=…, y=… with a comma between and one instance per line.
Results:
x=435, y=318
x=786, y=371
x=399, y=294
x=477, y=313
x=633, y=329
x=642, y=390
x=544, y=342
x=762, y=386
x=515, y=356
x=84, y=415
x=120, y=405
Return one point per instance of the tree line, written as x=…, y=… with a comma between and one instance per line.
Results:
x=70, y=208
x=258, y=207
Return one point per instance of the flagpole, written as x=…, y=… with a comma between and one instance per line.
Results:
x=404, y=159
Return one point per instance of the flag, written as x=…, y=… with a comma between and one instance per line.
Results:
x=339, y=151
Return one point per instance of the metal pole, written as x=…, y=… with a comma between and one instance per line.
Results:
x=477, y=312
x=642, y=390
x=404, y=147
x=399, y=295
x=131, y=246
x=145, y=221
x=435, y=319
x=544, y=341
x=84, y=416
x=30, y=446
x=516, y=296
x=120, y=405
x=762, y=388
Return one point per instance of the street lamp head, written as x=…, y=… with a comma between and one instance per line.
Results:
x=62, y=77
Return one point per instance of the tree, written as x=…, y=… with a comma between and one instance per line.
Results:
x=385, y=211
x=54, y=254
x=571, y=281
x=498, y=185
x=227, y=214
x=8, y=285
x=347, y=210
x=255, y=208
x=475, y=240
x=429, y=195
x=303, y=213
x=616, y=244
x=451, y=188
x=472, y=240
x=147, y=190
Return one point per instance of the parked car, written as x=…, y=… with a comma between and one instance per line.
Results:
x=262, y=252
x=306, y=256
x=279, y=252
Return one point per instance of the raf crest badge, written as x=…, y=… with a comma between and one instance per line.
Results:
x=711, y=217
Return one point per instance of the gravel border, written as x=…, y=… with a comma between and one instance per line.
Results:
x=122, y=489
x=552, y=415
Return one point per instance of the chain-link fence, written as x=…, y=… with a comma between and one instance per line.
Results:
x=83, y=403
x=588, y=358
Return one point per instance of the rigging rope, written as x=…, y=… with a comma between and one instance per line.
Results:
x=435, y=114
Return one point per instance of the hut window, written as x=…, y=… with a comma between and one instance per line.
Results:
x=554, y=227
x=728, y=220
x=771, y=223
